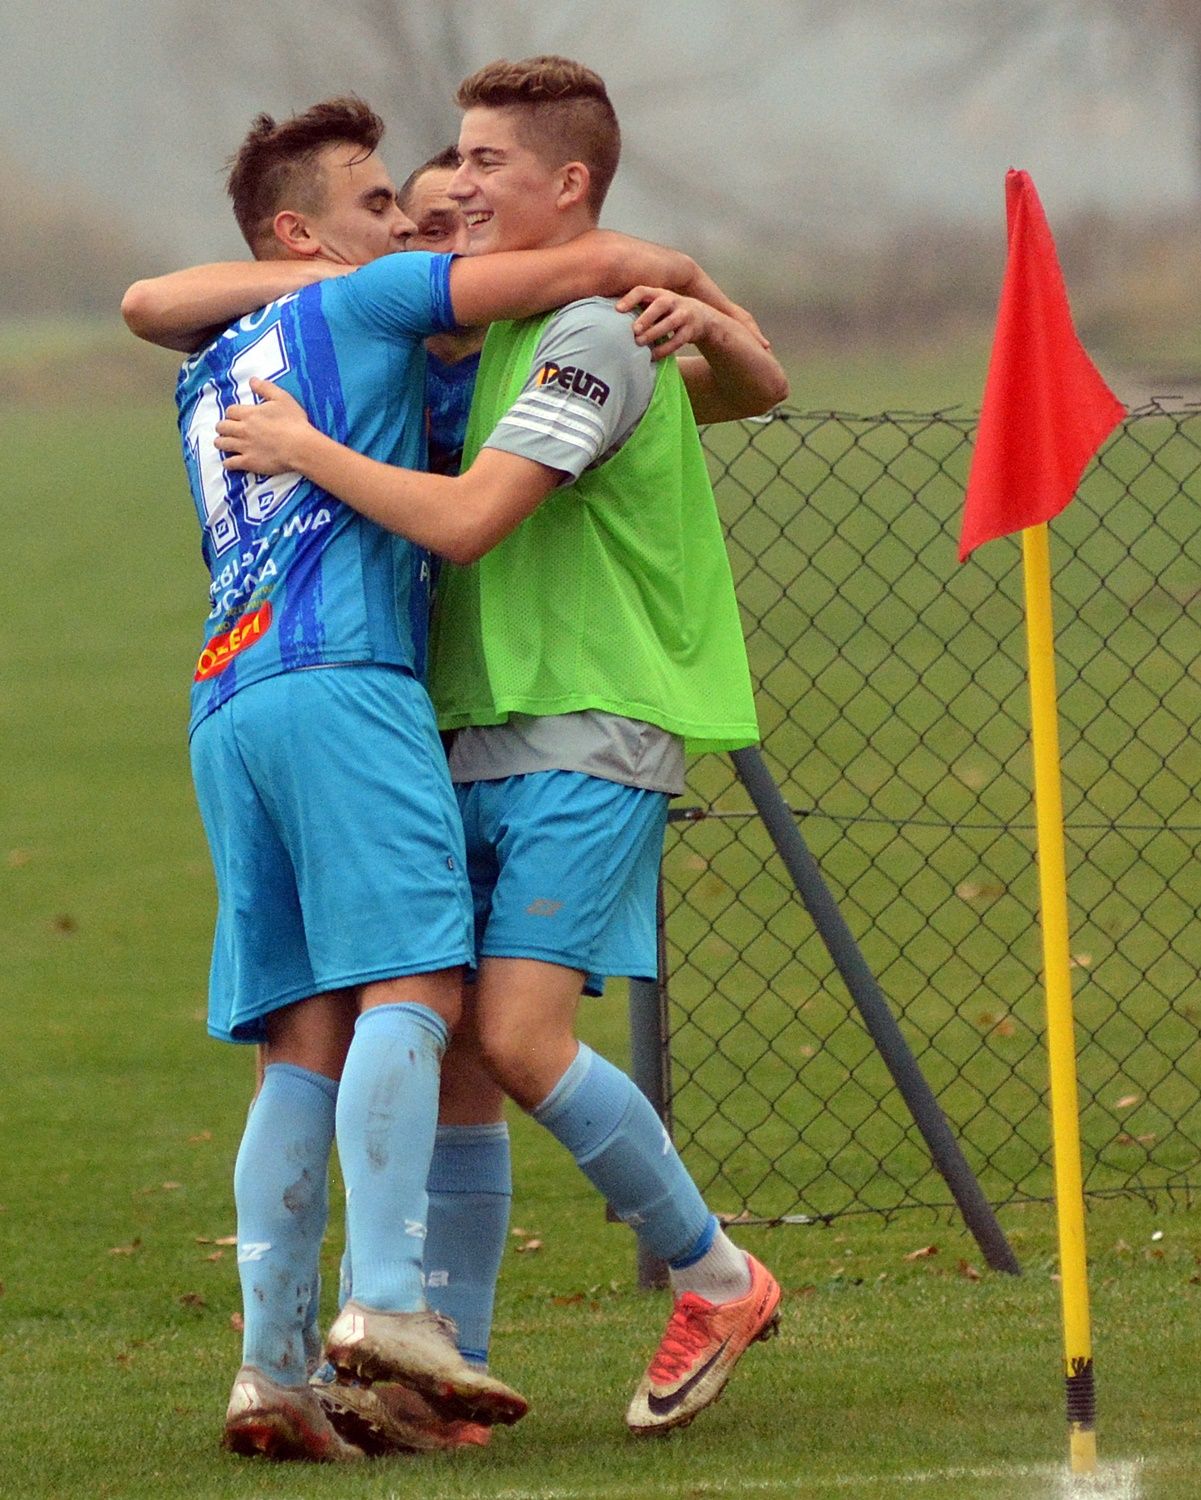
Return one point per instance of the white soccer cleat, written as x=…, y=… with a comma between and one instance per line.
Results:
x=281, y=1421
x=417, y=1349
x=391, y=1418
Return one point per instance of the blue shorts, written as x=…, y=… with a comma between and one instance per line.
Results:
x=564, y=868
x=335, y=839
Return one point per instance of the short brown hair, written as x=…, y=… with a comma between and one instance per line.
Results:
x=447, y=160
x=563, y=111
x=273, y=167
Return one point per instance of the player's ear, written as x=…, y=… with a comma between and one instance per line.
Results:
x=293, y=233
x=575, y=180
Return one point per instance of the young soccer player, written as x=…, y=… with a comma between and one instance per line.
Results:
x=452, y=359
x=588, y=637
x=344, y=916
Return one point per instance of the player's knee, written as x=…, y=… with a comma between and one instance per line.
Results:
x=526, y=1066
x=441, y=992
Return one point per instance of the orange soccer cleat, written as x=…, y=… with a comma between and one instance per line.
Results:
x=701, y=1345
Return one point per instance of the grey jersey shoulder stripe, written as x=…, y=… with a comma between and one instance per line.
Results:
x=561, y=409
x=551, y=430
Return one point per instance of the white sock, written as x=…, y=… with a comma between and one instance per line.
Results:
x=721, y=1274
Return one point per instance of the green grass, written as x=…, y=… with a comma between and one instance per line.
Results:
x=893, y=1375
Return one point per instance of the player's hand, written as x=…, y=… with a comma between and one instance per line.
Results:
x=669, y=320
x=268, y=437
x=704, y=287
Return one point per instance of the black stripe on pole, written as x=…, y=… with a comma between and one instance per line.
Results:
x=877, y=1017
x=1082, y=1399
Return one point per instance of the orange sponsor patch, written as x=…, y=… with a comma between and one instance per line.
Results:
x=222, y=649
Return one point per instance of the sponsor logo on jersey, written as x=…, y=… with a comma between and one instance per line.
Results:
x=221, y=650
x=572, y=378
x=543, y=907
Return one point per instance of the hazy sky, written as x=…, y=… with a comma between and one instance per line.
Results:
x=838, y=125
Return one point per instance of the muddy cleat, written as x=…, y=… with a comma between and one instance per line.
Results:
x=701, y=1345
x=391, y=1418
x=281, y=1421
x=418, y=1350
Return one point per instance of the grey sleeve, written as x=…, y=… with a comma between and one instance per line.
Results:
x=588, y=388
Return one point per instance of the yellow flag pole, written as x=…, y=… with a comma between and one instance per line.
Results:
x=1061, y=1043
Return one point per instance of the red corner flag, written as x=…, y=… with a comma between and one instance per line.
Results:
x=1046, y=409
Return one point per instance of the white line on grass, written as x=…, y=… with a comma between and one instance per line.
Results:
x=1113, y=1481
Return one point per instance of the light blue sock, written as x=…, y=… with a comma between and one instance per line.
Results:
x=387, y=1115
x=470, y=1190
x=281, y=1192
x=345, y=1279
x=620, y=1145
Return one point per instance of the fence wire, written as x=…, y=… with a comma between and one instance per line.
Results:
x=892, y=694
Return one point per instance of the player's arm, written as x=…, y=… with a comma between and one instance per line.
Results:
x=734, y=375
x=601, y=262
x=184, y=310
x=458, y=517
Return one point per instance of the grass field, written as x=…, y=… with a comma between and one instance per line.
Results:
x=903, y=1367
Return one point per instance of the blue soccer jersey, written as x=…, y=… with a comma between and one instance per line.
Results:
x=448, y=391
x=298, y=578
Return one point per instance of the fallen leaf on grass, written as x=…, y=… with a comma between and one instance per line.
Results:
x=1080, y=961
x=569, y=1301
x=528, y=1245
x=131, y=1249
x=216, y=1255
x=226, y=1239
x=200, y=1137
x=237, y=1322
x=968, y=1271
x=1127, y=1101
x=192, y=1299
x=923, y=1253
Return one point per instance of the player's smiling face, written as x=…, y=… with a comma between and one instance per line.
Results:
x=508, y=196
x=359, y=219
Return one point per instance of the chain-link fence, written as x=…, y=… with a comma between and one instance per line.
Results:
x=891, y=686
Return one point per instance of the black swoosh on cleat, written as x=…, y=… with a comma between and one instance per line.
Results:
x=662, y=1406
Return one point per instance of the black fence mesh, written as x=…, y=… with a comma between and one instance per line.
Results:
x=892, y=693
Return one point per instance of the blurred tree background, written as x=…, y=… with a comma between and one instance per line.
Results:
x=838, y=165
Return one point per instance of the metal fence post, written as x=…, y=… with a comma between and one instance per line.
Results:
x=878, y=1018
